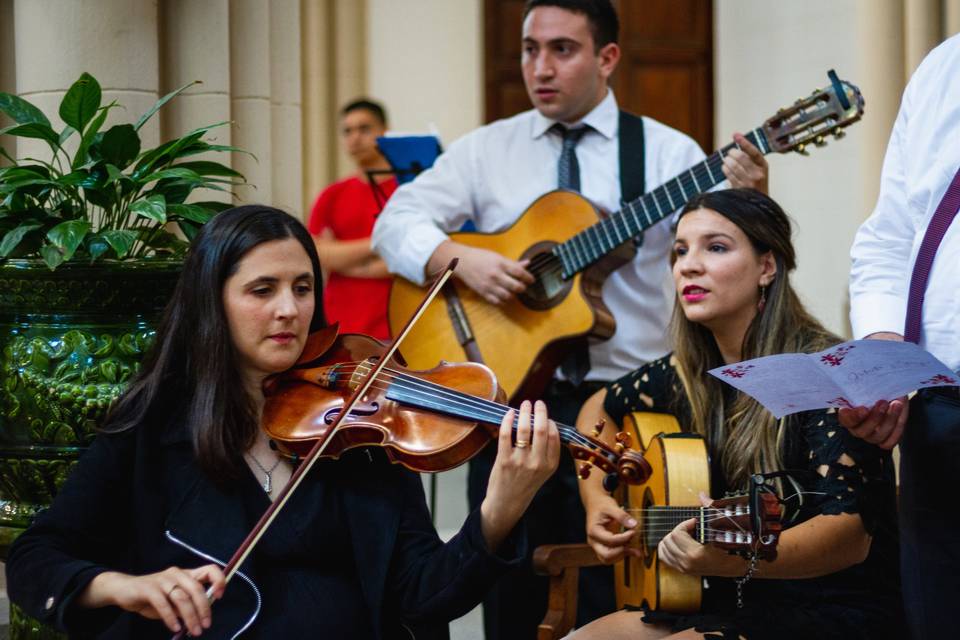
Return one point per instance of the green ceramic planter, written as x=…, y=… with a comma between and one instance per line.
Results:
x=70, y=341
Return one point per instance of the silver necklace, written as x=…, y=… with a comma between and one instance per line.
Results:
x=268, y=480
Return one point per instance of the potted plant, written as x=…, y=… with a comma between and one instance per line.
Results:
x=91, y=244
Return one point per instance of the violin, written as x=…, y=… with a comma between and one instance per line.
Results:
x=428, y=421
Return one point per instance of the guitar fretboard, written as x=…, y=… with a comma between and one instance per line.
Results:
x=594, y=242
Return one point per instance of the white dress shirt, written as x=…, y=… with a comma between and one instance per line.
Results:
x=491, y=175
x=922, y=157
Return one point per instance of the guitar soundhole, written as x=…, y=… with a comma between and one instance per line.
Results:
x=550, y=288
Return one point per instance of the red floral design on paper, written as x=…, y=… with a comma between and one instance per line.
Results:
x=841, y=402
x=737, y=371
x=940, y=379
x=835, y=357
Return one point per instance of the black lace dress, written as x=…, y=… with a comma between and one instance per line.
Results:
x=838, y=473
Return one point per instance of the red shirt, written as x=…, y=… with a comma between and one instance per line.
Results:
x=348, y=208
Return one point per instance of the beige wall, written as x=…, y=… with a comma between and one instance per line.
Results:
x=767, y=55
x=425, y=62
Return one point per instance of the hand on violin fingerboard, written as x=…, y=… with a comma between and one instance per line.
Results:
x=524, y=462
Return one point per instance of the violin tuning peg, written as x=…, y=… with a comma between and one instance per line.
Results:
x=584, y=471
x=597, y=430
x=623, y=439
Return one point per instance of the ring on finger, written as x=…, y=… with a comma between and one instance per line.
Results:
x=170, y=590
x=521, y=444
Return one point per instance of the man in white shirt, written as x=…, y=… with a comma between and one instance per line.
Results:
x=490, y=176
x=923, y=156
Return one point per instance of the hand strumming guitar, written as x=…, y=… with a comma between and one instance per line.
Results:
x=491, y=275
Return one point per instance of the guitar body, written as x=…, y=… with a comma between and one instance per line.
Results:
x=681, y=471
x=525, y=339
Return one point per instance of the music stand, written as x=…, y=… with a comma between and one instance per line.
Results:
x=408, y=156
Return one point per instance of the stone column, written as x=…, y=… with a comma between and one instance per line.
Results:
x=316, y=73
x=350, y=78
x=286, y=133
x=195, y=45
x=8, y=82
x=56, y=41
x=250, y=96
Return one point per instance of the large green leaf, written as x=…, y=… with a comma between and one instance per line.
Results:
x=34, y=130
x=121, y=240
x=162, y=101
x=191, y=212
x=51, y=256
x=190, y=230
x=120, y=145
x=88, y=136
x=96, y=246
x=208, y=168
x=21, y=111
x=14, y=236
x=68, y=235
x=160, y=155
x=174, y=172
x=152, y=207
x=65, y=134
x=81, y=102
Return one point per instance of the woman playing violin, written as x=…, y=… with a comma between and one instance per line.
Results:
x=835, y=575
x=139, y=532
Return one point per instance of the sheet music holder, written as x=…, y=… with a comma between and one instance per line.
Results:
x=408, y=157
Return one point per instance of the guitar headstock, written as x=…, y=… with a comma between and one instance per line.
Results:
x=729, y=523
x=811, y=119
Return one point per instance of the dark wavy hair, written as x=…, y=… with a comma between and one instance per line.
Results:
x=192, y=373
x=602, y=17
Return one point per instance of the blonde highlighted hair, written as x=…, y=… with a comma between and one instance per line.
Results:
x=744, y=436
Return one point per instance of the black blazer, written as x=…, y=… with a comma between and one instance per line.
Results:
x=138, y=503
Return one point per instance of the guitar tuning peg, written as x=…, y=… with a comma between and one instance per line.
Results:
x=598, y=429
x=802, y=149
x=839, y=133
x=584, y=471
x=819, y=141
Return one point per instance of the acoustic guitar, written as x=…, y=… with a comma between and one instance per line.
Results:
x=680, y=472
x=572, y=249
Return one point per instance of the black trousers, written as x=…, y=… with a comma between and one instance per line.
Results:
x=929, y=523
x=517, y=603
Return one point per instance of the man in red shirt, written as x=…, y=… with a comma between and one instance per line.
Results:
x=358, y=282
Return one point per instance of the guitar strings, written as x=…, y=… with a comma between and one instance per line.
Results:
x=710, y=173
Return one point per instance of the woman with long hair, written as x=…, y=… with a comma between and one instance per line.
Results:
x=139, y=532
x=835, y=574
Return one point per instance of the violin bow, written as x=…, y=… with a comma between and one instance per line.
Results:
x=246, y=547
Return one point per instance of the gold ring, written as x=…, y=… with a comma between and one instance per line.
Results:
x=520, y=444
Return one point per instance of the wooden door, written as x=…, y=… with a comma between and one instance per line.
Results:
x=666, y=71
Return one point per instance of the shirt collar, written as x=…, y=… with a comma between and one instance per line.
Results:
x=603, y=119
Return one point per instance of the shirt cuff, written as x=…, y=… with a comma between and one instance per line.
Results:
x=874, y=312
x=413, y=252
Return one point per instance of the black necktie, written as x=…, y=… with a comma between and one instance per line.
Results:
x=576, y=363
x=568, y=169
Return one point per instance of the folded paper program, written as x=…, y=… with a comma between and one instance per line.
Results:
x=851, y=374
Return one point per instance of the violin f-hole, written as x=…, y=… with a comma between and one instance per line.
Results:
x=361, y=409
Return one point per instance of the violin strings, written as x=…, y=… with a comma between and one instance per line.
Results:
x=492, y=410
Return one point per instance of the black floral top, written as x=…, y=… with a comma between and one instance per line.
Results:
x=832, y=472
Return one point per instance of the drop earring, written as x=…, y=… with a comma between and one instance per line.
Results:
x=763, y=298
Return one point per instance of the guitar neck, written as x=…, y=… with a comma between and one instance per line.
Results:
x=594, y=242
x=659, y=521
